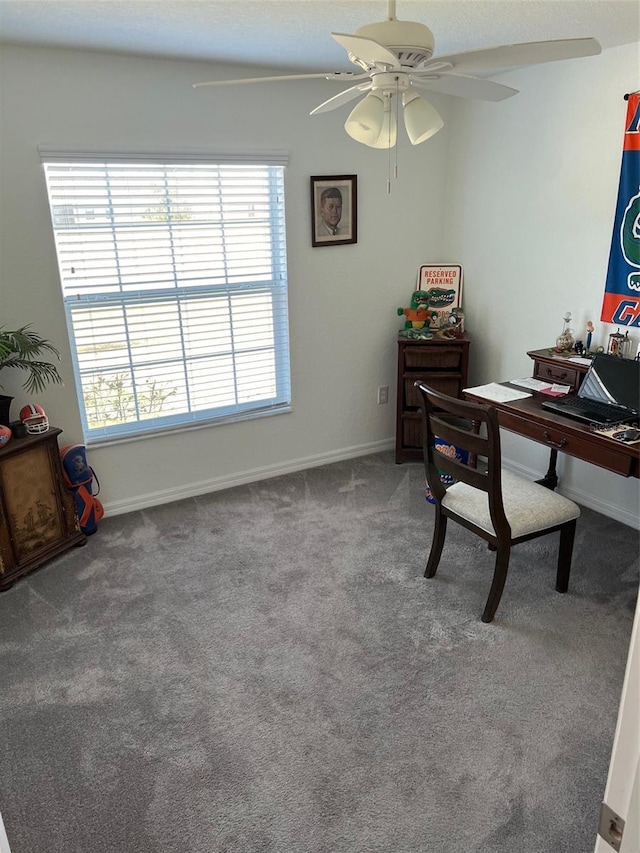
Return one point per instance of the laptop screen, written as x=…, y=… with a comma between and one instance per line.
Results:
x=615, y=380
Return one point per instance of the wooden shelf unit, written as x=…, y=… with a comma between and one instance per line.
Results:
x=442, y=364
x=37, y=513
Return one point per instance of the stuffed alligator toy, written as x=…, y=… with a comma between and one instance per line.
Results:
x=417, y=314
x=424, y=304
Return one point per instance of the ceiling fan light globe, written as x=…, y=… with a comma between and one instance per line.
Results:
x=388, y=132
x=366, y=119
x=421, y=119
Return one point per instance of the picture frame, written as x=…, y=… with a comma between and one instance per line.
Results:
x=446, y=277
x=334, y=210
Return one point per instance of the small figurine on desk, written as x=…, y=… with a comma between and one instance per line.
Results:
x=589, y=334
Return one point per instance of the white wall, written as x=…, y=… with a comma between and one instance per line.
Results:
x=533, y=185
x=343, y=299
x=521, y=193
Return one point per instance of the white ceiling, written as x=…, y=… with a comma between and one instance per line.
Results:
x=295, y=34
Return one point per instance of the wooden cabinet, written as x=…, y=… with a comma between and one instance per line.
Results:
x=37, y=514
x=553, y=367
x=443, y=365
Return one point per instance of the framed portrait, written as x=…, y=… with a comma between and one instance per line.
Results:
x=334, y=210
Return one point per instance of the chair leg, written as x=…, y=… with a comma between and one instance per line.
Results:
x=499, y=577
x=437, y=544
x=565, y=552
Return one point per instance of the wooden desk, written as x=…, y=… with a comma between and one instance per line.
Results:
x=526, y=417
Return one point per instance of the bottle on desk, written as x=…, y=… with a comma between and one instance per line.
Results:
x=565, y=339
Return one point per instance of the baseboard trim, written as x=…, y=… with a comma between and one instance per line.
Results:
x=589, y=500
x=216, y=484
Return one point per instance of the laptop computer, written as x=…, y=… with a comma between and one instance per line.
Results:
x=609, y=394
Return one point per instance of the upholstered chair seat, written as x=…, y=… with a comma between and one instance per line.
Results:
x=528, y=507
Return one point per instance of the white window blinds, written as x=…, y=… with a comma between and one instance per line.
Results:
x=175, y=287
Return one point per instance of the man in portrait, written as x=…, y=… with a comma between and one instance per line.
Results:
x=329, y=213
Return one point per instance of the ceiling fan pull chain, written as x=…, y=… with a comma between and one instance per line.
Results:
x=395, y=165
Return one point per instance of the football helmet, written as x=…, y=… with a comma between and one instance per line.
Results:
x=34, y=419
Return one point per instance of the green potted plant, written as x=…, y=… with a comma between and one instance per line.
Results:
x=23, y=348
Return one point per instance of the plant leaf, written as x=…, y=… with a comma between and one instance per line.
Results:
x=21, y=348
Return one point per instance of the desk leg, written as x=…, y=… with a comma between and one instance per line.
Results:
x=550, y=479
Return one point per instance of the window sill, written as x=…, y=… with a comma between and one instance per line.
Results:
x=156, y=433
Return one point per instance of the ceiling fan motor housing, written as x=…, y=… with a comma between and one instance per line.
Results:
x=411, y=42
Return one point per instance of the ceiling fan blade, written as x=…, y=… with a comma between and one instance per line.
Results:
x=367, y=50
x=340, y=76
x=465, y=87
x=341, y=98
x=515, y=55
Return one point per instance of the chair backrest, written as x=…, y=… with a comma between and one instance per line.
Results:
x=472, y=428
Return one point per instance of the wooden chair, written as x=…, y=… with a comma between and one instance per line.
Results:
x=501, y=507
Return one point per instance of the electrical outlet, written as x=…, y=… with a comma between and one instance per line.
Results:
x=383, y=394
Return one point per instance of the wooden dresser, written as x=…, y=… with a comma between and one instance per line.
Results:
x=442, y=364
x=37, y=513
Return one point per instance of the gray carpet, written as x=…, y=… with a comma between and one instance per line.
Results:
x=265, y=670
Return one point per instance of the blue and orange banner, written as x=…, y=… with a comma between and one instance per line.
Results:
x=621, y=303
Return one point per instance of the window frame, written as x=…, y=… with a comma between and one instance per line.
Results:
x=275, y=285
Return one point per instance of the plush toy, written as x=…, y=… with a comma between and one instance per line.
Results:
x=425, y=305
x=417, y=314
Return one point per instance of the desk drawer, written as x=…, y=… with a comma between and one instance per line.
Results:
x=561, y=373
x=574, y=445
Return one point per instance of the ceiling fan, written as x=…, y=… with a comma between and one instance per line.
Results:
x=396, y=58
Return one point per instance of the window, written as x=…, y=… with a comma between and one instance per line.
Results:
x=175, y=289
